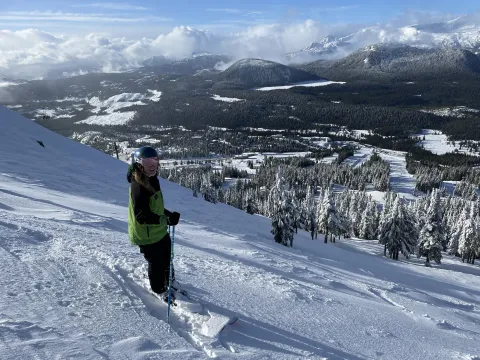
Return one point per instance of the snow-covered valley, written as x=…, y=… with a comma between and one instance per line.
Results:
x=68, y=270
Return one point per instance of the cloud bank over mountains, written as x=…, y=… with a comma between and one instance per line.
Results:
x=31, y=53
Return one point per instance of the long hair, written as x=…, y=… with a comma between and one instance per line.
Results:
x=140, y=177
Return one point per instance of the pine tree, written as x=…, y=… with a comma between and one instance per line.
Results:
x=431, y=234
x=385, y=218
x=308, y=212
x=469, y=241
x=355, y=213
x=369, y=222
x=399, y=231
x=457, y=230
x=280, y=211
x=318, y=212
x=329, y=220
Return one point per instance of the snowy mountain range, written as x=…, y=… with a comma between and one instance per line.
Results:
x=463, y=32
x=399, y=61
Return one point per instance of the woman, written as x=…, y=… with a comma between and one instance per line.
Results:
x=148, y=220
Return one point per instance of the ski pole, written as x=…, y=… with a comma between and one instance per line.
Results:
x=170, y=275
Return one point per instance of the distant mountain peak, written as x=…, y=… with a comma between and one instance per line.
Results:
x=253, y=72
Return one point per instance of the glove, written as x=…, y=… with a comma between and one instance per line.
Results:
x=173, y=218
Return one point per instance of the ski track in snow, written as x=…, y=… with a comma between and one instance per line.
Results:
x=72, y=283
x=400, y=180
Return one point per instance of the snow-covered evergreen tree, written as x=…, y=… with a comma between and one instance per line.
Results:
x=281, y=211
x=456, y=233
x=469, y=241
x=369, y=222
x=329, y=221
x=431, y=234
x=308, y=213
x=398, y=233
x=355, y=213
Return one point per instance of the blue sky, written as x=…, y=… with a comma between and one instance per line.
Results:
x=211, y=14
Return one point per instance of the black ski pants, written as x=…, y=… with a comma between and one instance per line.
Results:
x=158, y=258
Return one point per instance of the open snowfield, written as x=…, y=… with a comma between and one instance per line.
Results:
x=400, y=180
x=360, y=157
x=113, y=104
x=303, y=84
x=436, y=142
x=226, y=99
x=70, y=287
x=459, y=111
x=7, y=83
x=115, y=118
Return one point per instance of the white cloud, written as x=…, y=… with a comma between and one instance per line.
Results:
x=31, y=52
x=113, y=6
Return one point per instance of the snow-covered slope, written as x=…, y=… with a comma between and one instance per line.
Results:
x=66, y=271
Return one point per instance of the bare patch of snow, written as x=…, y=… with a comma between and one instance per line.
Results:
x=7, y=83
x=46, y=112
x=147, y=139
x=156, y=95
x=87, y=137
x=119, y=118
x=69, y=99
x=65, y=116
x=437, y=142
x=226, y=99
x=300, y=84
x=459, y=111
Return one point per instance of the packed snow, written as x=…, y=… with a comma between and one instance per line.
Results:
x=226, y=99
x=300, y=84
x=71, y=281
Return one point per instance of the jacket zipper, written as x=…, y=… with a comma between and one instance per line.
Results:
x=148, y=232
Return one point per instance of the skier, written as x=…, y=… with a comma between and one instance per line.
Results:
x=148, y=220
